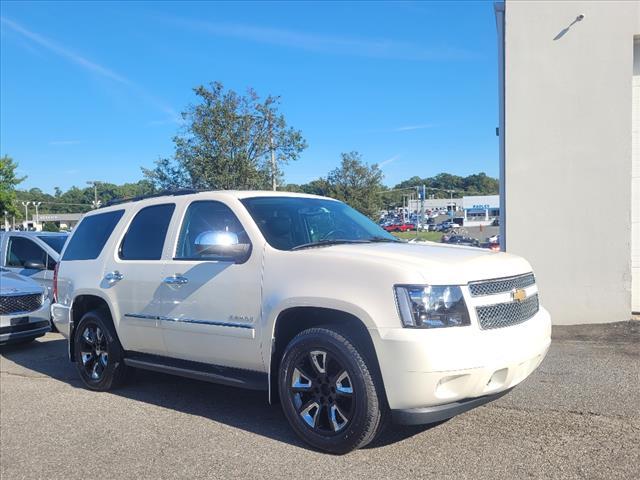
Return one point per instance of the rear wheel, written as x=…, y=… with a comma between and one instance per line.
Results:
x=328, y=393
x=98, y=353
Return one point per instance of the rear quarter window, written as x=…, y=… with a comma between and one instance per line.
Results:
x=91, y=235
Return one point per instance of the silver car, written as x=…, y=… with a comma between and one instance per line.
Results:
x=24, y=309
x=32, y=254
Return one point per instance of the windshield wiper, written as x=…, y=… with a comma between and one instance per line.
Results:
x=325, y=243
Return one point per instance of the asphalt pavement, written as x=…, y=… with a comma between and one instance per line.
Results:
x=577, y=416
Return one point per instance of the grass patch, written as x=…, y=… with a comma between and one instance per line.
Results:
x=430, y=236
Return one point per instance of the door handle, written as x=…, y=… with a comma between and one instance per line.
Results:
x=176, y=280
x=114, y=276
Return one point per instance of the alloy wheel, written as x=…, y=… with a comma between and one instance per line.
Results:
x=322, y=392
x=94, y=353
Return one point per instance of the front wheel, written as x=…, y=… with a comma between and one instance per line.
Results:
x=98, y=353
x=328, y=391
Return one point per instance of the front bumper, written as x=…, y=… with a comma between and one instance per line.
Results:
x=32, y=325
x=457, y=367
x=425, y=415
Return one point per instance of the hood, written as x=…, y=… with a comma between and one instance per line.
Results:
x=437, y=263
x=12, y=284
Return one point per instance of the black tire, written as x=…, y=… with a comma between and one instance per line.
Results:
x=98, y=353
x=318, y=405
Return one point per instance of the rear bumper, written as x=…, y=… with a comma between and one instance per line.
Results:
x=426, y=415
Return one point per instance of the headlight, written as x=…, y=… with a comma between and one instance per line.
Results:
x=429, y=306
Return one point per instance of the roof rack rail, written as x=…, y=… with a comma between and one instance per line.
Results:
x=164, y=193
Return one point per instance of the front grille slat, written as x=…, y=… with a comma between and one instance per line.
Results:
x=501, y=285
x=11, y=304
x=507, y=314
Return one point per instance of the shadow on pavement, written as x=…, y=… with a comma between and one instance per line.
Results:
x=245, y=409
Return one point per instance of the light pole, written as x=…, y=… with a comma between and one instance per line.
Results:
x=37, y=204
x=26, y=213
x=6, y=223
x=95, y=183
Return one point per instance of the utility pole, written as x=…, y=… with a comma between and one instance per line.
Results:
x=26, y=213
x=274, y=184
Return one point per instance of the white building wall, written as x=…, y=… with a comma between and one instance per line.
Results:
x=567, y=135
x=635, y=182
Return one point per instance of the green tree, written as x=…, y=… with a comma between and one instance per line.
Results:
x=356, y=183
x=8, y=183
x=50, y=227
x=476, y=184
x=226, y=143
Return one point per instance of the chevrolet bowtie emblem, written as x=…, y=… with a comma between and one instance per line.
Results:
x=518, y=295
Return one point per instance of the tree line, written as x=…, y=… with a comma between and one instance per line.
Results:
x=233, y=141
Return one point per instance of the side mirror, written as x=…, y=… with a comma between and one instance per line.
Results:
x=222, y=245
x=33, y=265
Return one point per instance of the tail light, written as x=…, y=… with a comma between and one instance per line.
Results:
x=55, y=283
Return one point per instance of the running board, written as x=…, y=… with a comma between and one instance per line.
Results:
x=234, y=377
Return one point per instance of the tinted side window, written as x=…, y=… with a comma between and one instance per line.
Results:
x=206, y=216
x=56, y=242
x=90, y=236
x=145, y=238
x=22, y=250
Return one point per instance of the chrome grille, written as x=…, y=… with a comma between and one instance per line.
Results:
x=501, y=285
x=10, y=304
x=507, y=314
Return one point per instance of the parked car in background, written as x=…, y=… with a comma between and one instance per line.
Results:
x=446, y=226
x=24, y=309
x=302, y=297
x=461, y=240
x=32, y=254
x=399, y=227
x=494, y=247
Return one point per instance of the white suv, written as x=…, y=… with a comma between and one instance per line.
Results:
x=303, y=297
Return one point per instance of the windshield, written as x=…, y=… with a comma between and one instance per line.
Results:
x=54, y=241
x=293, y=222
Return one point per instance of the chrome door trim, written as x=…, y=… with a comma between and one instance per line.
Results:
x=190, y=320
x=141, y=316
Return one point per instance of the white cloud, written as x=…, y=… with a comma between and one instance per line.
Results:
x=64, y=142
x=389, y=160
x=335, y=44
x=408, y=128
x=88, y=65
x=63, y=52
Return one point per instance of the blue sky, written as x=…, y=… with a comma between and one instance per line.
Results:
x=93, y=91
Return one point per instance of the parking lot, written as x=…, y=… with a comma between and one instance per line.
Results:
x=576, y=417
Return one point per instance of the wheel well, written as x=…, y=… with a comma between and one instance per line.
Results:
x=294, y=320
x=81, y=305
